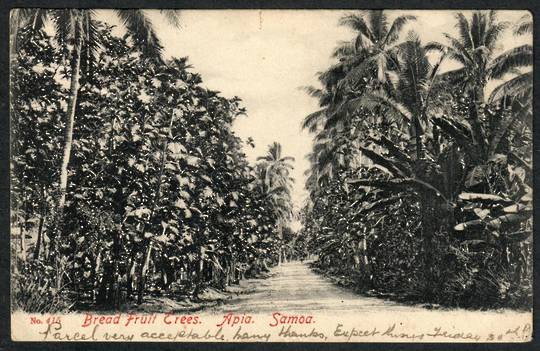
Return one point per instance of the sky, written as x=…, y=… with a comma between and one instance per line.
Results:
x=266, y=56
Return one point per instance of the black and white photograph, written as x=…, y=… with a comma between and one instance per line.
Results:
x=271, y=175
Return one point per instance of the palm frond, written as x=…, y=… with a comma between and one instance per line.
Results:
x=493, y=34
x=313, y=92
x=378, y=23
x=344, y=49
x=478, y=28
x=520, y=56
x=92, y=41
x=397, y=26
x=430, y=86
x=464, y=30
x=524, y=26
x=332, y=76
x=39, y=16
x=501, y=129
x=357, y=23
x=141, y=30
x=65, y=22
x=516, y=87
x=435, y=46
x=374, y=99
x=457, y=77
x=172, y=16
x=458, y=51
x=359, y=72
x=414, y=73
x=445, y=50
x=341, y=115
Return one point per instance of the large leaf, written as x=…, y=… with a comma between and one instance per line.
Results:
x=484, y=198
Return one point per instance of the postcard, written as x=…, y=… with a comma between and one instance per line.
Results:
x=271, y=175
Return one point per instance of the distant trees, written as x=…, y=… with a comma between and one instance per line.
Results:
x=276, y=182
x=442, y=211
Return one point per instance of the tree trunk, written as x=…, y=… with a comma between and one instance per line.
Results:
x=131, y=274
x=23, y=225
x=40, y=226
x=280, y=236
x=476, y=114
x=70, y=122
x=68, y=143
x=142, y=274
x=147, y=243
x=114, y=299
x=426, y=207
x=22, y=243
x=39, y=236
x=95, y=275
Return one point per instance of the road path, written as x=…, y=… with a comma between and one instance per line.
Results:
x=293, y=287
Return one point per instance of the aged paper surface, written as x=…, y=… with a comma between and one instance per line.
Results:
x=271, y=175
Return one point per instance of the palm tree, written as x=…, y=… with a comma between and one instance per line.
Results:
x=275, y=172
x=373, y=50
x=76, y=32
x=370, y=59
x=278, y=166
x=475, y=51
x=279, y=196
x=517, y=92
x=408, y=101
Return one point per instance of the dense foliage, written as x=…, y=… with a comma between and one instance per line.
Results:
x=421, y=187
x=160, y=198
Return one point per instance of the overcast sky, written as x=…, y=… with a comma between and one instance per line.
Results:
x=264, y=57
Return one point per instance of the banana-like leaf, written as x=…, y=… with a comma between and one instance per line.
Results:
x=518, y=160
x=392, y=166
x=373, y=206
x=399, y=184
x=515, y=87
x=484, y=198
x=477, y=175
x=507, y=119
x=518, y=208
x=506, y=219
x=518, y=236
x=481, y=213
x=474, y=224
x=392, y=149
x=462, y=135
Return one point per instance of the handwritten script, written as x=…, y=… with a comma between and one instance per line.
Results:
x=275, y=327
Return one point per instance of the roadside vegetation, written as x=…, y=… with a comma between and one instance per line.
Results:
x=128, y=182
x=421, y=179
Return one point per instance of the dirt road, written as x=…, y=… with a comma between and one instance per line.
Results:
x=293, y=287
x=293, y=290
